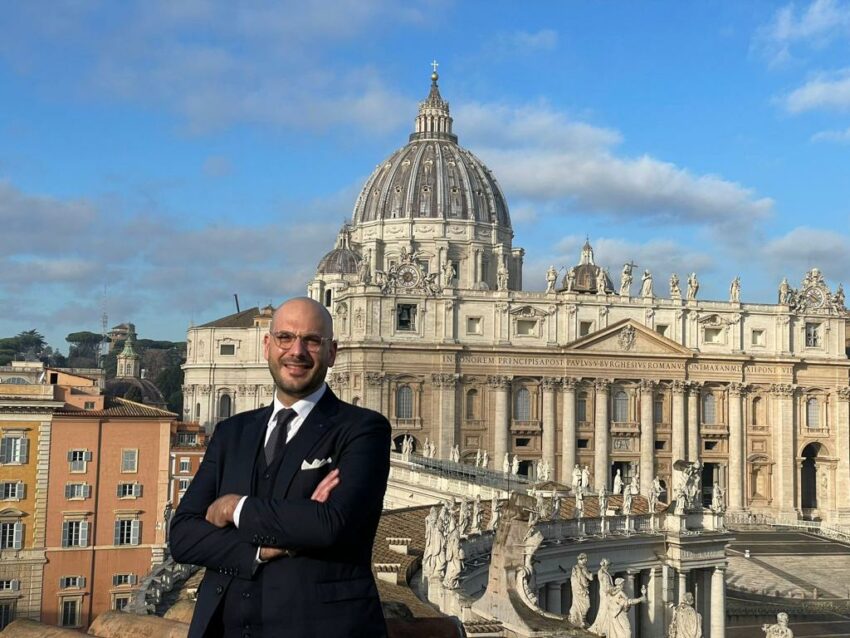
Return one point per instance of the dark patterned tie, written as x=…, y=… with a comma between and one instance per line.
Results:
x=278, y=434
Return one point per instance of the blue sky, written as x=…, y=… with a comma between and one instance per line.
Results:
x=175, y=153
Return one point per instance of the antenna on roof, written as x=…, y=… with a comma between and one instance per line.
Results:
x=104, y=322
x=236, y=299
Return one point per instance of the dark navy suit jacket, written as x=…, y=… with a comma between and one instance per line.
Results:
x=326, y=589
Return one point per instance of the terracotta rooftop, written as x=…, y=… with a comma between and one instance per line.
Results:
x=114, y=406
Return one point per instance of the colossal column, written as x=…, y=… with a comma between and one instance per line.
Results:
x=718, y=604
x=550, y=384
x=499, y=384
x=600, y=435
x=568, y=437
x=737, y=464
x=842, y=504
x=445, y=383
x=647, y=437
x=784, y=454
x=679, y=451
x=693, y=421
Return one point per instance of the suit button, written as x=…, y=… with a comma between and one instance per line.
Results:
x=266, y=476
x=219, y=589
x=246, y=594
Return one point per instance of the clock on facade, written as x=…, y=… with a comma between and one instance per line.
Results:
x=408, y=276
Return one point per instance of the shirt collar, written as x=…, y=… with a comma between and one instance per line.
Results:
x=302, y=407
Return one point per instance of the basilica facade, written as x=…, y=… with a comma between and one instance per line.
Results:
x=596, y=371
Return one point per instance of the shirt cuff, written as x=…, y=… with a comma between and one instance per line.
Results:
x=238, y=510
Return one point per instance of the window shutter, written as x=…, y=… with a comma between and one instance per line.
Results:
x=19, y=536
x=25, y=449
x=132, y=579
x=70, y=455
x=114, y=580
x=84, y=534
x=62, y=582
x=87, y=490
x=16, y=584
x=118, y=490
x=66, y=538
x=22, y=490
x=82, y=581
x=68, y=491
x=87, y=455
x=117, y=539
x=137, y=489
x=135, y=532
x=4, y=450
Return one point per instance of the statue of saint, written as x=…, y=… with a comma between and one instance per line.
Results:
x=686, y=621
x=576, y=478
x=784, y=292
x=580, y=578
x=502, y=277
x=515, y=465
x=693, y=286
x=448, y=274
x=735, y=290
x=551, y=279
x=601, y=283
x=618, y=483
x=675, y=290
x=628, y=495
x=571, y=279
x=618, y=610
x=646, y=285
x=603, y=501
x=626, y=280
x=780, y=629
x=603, y=577
x=585, y=478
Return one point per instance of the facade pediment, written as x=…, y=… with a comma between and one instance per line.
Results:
x=628, y=336
x=528, y=311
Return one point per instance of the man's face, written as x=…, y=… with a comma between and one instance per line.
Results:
x=297, y=372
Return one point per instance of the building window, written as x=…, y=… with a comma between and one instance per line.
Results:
x=328, y=298
x=14, y=449
x=526, y=327
x=129, y=461
x=89, y=405
x=582, y=444
x=758, y=407
x=120, y=601
x=404, y=402
x=621, y=407
x=11, y=535
x=813, y=339
x=660, y=445
x=812, y=413
x=661, y=329
x=187, y=439
x=76, y=491
x=581, y=408
x=183, y=484
x=185, y=466
x=129, y=490
x=77, y=460
x=473, y=325
x=68, y=582
x=713, y=335
x=127, y=532
x=471, y=404
x=12, y=490
x=522, y=405
x=70, y=613
x=757, y=338
x=224, y=404
x=10, y=585
x=75, y=534
x=658, y=410
x=405, y=314
x=709, y=409
x=7, y=612
x=197, y=411
x=523, y=442
x=119, y=580
x=227, y=349
x=585, y=328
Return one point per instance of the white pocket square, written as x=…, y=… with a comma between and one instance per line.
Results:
x=315, y=464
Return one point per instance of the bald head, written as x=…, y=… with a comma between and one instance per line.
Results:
x=309, y=309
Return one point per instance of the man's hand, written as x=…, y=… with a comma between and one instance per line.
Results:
x=320, y=495
x=220, y=512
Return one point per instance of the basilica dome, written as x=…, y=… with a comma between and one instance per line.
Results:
x=432, y=177
x=342, y=260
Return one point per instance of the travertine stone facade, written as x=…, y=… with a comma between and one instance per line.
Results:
x=437, y=333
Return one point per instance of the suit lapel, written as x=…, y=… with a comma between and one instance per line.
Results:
x=252, y=436
x=319, y=422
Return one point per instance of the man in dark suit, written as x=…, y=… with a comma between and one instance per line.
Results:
x=284, y=508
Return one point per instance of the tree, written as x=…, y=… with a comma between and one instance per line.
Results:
x=83, y=352
x=170, y=384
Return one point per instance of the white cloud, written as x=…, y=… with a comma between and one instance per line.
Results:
x=839, y=137
x=825, y=91
x=821, y=22
x=805, y=247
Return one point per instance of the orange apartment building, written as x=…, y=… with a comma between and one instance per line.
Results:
x=106, y=505
x=188, y=445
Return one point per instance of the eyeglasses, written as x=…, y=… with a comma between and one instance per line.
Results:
x=285, y=340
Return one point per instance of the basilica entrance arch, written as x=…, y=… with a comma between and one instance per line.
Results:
x=810, y=498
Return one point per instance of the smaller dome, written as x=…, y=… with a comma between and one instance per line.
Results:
x=342, y=260
x=133, y=389
x=584, y=276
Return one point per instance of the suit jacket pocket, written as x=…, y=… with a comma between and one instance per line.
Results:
x=346, y=590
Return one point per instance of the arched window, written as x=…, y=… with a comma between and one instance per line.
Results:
x=328, y=297
x=709, y=409
x=404, y=402
x=224, y=405
x=522, y=405
x=15, y=381
x=621, y=407
x=471, y=401
x=757, y=408
x=812, y=413
x=658, y=410
x=581, y=408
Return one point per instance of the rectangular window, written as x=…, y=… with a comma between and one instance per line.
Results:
x=523, y=442
x=70, y=613
x=661, y=329
x=67, y=582
x=526, y=327
x=12, y=490
x=12, y=584
x=77, y=460
x=582, y=444
x=129, y=460
x=227, y=349
x=185, y=465
x=11, y=535
x=710, y=445
x=89, y=405
x=187, y=439
x=76, y=491
x=660, y=445
x=120, y=601
x=14, y=449
x=713, y=335
x=7, y=612
x=119, y=580
x=585, y=328
x=813, y=338
x=405, y=314
x=757, y=338
x=129, y=490
x=127, y=532
x=75, y=534
x=473, y=325
x=183, y=484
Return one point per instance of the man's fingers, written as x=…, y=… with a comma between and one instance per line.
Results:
x=323, y=489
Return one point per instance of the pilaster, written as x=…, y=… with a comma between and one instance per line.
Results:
x=568, y=435
x=499, y=385
x=647, y=437
x=550, y=385
x=600, y=434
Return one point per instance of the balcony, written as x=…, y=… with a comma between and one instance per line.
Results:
x=525, y=427
x=624, y=427
x=713, y=430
